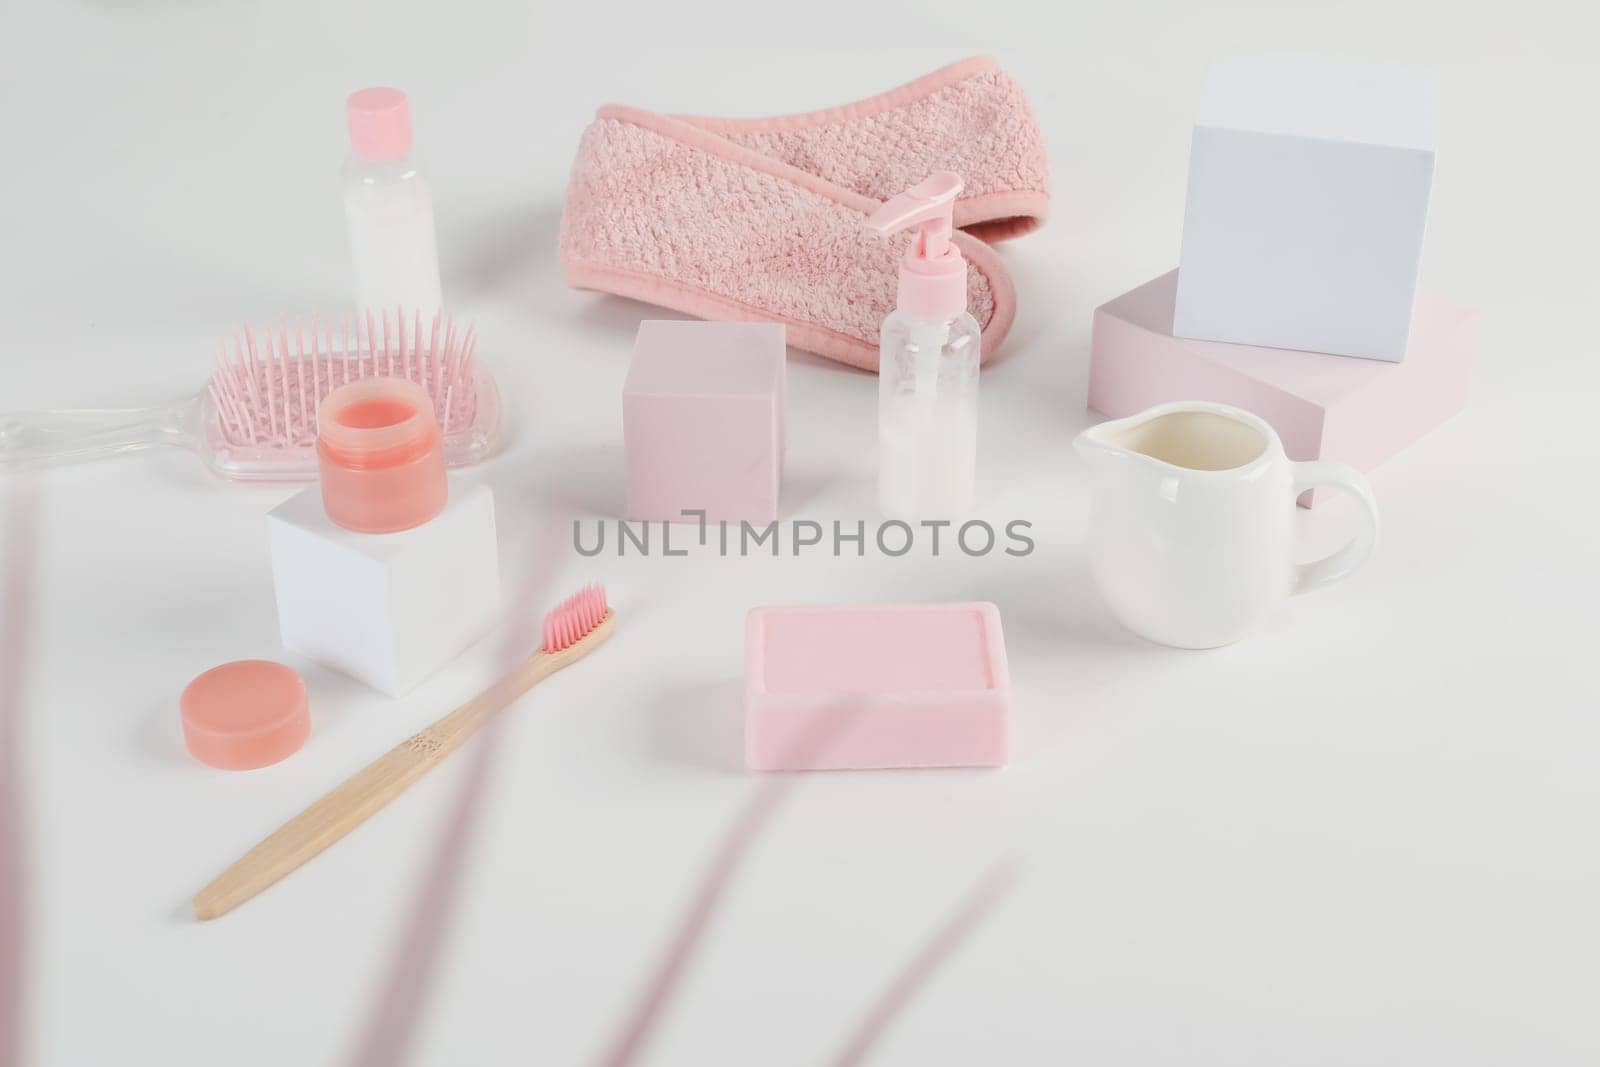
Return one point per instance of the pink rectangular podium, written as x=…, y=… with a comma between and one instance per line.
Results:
x=1324, y=407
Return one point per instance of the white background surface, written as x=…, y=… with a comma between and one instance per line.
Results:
x=1366, y=835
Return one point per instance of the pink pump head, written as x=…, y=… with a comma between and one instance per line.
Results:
x=933, y=276
x=380, y=124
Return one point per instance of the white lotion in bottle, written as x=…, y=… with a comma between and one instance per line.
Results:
x=927, y=364
x=388, y=208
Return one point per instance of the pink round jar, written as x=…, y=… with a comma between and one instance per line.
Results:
x=381, y=456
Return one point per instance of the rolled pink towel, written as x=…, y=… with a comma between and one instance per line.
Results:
x=763, y=219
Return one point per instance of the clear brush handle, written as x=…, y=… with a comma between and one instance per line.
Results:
x=39, y=438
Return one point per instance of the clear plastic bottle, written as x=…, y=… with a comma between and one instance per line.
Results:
x=928, y=416
x=928, y=357
x=389, y=209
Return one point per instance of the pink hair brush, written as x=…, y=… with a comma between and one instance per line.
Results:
x=256, y=419
x=572, y=630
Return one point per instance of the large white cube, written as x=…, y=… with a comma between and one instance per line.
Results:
x=387, y=609
x=1308, y=197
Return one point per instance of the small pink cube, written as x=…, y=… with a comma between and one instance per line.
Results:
x=856, y=687
x=702, y=418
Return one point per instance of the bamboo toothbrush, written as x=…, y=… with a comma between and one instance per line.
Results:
x=571, y=631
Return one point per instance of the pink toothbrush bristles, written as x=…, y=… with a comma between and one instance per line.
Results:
x=573, y=619
x=267, y=393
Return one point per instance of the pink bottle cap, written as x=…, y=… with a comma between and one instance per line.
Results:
x=245, y=714
x=380, y=124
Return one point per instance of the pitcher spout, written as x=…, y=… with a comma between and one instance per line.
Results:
x=1183, y=439
x=1103, y=444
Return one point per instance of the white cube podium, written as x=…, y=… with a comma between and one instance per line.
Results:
x=386, y=609
x=1308, y=197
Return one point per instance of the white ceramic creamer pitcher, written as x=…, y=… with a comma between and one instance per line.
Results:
x=1191, y=524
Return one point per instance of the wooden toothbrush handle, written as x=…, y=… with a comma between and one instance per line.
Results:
x=362, y=795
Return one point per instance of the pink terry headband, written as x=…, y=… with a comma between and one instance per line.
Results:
x=763, y=219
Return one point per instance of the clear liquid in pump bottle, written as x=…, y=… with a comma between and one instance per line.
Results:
x=389, y=209
x=929, y=351
x=928, y=416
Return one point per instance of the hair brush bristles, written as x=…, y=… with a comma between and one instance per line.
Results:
x=573, y=619
x=267, y=390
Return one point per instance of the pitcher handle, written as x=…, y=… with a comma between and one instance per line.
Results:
x=1325, y=473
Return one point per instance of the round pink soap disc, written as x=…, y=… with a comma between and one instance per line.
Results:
x=245, y=714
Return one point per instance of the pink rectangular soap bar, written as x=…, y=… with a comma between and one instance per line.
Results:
x=854, y=687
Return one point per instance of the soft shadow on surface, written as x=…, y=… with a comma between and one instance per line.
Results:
x=588, y=483
x=799, y=357
x=801, y=491
x=921, y=967
x=1069, y=391
x=1023, y=344
x=702, y=725
x=618, y=316
x=399, y=1007
x=1041, y=304
x=387, y=1038
x=508, y=249
x=16, y=603
x=1058, y=626
x=1064, y=610
x=529, y=578
x=630, y=1038
x=647, y=1009
x=1048, y=386
x=158, y=736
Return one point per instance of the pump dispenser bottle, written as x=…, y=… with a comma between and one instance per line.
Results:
x=388, y=208
x=927, y=363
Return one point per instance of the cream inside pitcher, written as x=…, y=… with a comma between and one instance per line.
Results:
x=1191, y=525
